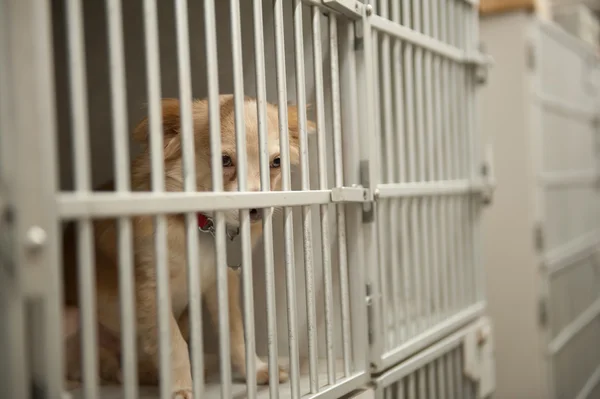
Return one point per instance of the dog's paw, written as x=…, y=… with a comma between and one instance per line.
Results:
x=183, y=394
x=262, y=375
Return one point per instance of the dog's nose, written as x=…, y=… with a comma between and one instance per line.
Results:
x=255, y=214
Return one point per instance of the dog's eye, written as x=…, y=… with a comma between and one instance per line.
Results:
x=276, y=162
x=227, y=161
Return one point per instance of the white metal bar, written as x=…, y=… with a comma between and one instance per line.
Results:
x=566, y=256
x=189, y=180
x=265, y=175
x=440, y=380
x=122, y=183
x=287, y=212
x=339, y=182
x=412, y=394
x=411, y=206
x=435, y=188
x=573, y=328
x=100, y=205
x=458, y=372
x=305, y=185
x=85, y=234
x=589, y=385
x=429, y=227
x=422, y=379
x=426, y=338
x=323, y=185
x=163, y=299
x=450, y=375
x=426, y=42
x=356, y=229
x=217, y=185
x=242, y=173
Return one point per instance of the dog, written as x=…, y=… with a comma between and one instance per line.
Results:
x=146, y=306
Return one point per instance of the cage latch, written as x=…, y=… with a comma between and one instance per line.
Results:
x=479, y=358
x=352, y=9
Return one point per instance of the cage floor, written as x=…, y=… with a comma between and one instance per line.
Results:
x=213, y=388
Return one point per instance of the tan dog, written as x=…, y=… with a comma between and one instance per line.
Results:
x=106, y=253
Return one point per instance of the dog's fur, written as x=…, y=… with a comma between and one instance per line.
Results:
x=106, y=251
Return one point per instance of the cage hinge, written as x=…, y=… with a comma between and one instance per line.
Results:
x=487, y=177
x=478, y=359
x=543, y=312
x=368, y=210
x=352, y=9
x=482, y=68
x=356, y=193
x=370, y=316
x=538, y=237
x=530, y=56
x=7, y=262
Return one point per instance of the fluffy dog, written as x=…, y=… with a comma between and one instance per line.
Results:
x=106, y=251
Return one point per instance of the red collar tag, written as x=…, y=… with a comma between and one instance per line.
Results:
x=203, y=221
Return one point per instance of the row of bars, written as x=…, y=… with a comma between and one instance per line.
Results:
x=81, y=150
x=441, y=379
x=428, y=245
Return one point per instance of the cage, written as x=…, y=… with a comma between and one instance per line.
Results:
x=353, y=136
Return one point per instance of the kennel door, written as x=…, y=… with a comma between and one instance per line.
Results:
x=429, y=176
x=565, y=147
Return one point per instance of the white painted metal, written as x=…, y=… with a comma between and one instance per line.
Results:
x=546, y=156
x=390, y=176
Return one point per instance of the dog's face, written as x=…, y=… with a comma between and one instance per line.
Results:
x=229, y=157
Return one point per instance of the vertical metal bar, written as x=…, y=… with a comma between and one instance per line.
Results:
x=445, y=171
x=399, y=209
x=449, y=360
x=458, y=373
x=305, y=185
x=391, y=235
x=421, y=245
x=265, y=175
x=411, y=205
x=400, y=389
x=189, y=180
x=323, y=185
x=242, y=172
x=440, y=374
x=352, y=156
x=422, y=382
x=217, y=185
x=429, y=203
x=431, y=380
x=85, y=233
x=287, y=212
x=158, y=184
x=122, y=184
x=437, y=171
x=412, y=388
x=381, y=207
x=339, y=182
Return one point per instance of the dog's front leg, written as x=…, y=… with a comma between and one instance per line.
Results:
x=147, y=329
x=236, y=329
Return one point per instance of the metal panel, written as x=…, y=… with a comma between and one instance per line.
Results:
x=429, y=157
x=565, y=138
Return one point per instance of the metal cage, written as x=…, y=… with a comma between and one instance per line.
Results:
x=370, y=252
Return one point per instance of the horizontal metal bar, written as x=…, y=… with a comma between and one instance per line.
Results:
x=565, y=256
x=350, y=8
x=432, y=335
x=567, y=109
x=428, y=43
x=445, y=187
x=425, y=357
x=351, y=194
x=589, y=385
x=573, y=328
x=569, y=178
x=74, y=206
x=340, y=389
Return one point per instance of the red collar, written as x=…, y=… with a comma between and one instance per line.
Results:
x=203, y=221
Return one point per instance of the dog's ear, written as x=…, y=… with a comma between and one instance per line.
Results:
x=171, y=127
